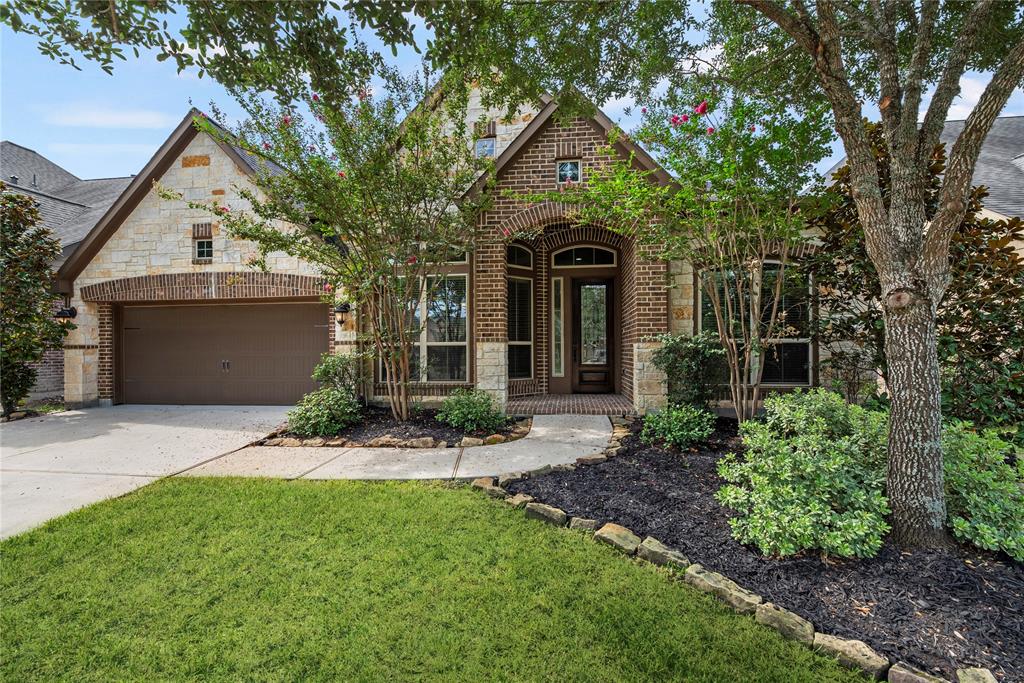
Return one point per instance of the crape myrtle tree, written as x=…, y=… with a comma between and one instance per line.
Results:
x=27, y=325
x=369, y=190
x=979, y=323
x=736, y=214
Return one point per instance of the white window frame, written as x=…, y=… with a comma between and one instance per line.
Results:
x=494, y=147
x=524, y=248
x=533, y=332
x=557, y=369
x=613, y=264
x=757, y=359
x=423, y=345
x=195, y=249
x=579, y=170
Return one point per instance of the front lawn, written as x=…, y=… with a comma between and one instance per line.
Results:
x=273, y=580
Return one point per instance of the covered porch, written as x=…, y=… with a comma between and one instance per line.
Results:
x=571, y=404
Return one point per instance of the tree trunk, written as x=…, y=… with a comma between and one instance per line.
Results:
x=915, y=476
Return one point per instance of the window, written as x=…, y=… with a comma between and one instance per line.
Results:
x=485, y=148
x=203, y=250
x=568, y=171
x=787, y=356
x=518, y=257
x=520, y=328
x=583, y=257
x=443, y=339
x=557, y=343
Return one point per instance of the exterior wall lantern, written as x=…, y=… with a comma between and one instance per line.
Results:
x=341, y=312
x=66, y=313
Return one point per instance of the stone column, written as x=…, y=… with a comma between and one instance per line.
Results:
x=650, y=385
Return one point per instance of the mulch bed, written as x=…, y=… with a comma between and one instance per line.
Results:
x=377, y=423
x=937, y=610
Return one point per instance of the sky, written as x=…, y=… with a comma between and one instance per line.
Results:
x=99, y=126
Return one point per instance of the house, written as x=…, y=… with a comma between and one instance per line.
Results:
x=69, y=206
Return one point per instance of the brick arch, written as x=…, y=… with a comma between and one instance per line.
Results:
x=558, y=236
x=204, y=286
x=536, y=217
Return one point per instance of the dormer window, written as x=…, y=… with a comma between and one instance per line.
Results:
x=568, y=171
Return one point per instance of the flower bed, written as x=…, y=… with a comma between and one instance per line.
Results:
x=377, y=428
x=940, y=611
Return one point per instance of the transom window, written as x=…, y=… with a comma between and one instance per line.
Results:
x=443, y=339
x=518, y=256
x=520, y=328
x=786, y=357
x=583, y=256
x=203, y=249
x=485, y=148
x=568, y=171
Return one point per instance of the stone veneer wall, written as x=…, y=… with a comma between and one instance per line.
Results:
x=156, y=239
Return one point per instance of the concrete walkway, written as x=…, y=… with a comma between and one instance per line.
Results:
x=553, y=440
x=53, y=464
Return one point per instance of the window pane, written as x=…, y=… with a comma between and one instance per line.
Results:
x=787, y=363
x=446, y=363
x=204, y=248
x=557, y=368
x=518, y=256
x=414, y=365
x=794, y=309
x=727, y=298
x=568, y=171
x=446, y=310
x=520, y=357
x=564, y=258
x=485, y=147
x=603, y=257
x=520, y=310
x=594, y=324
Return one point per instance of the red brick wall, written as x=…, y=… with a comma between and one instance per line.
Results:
x=49, y=371
x=105, y=369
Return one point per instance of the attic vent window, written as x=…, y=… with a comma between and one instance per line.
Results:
x=202, y=243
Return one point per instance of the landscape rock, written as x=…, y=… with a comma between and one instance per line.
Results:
x=790, y=625
x=421, y=442
x=519, y=500
x=901, y=672
x=655, y=552
x=383, y=442
x=582, y=524
x=275, y=441
x=314, y=442
x=563, y=468
x=337, y=441
x=441, y=444
x=482, y=482
x=975, y=675
x=546, y=513
x=612, y=452
x=740, y=599
x=290, y=442
x=17, y=415
x=494, y=439
x=486, y=484
x=468, y=441
x=510, y=477
x=853, y=654
x=591, y=459
x=539, y=471
x=618, y=537
x=618, y=420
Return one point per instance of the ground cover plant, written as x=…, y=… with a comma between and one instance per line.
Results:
x=937, y=609
x=472, y=410
x=226, y=579
x=678, y=426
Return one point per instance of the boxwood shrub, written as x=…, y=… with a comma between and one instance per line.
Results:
x=471, y=410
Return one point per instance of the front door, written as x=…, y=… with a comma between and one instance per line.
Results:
x=592, y=352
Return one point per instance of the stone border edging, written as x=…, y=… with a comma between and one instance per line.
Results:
x=277, y=438
x=853, y=654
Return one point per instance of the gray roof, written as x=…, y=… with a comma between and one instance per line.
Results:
x=68, y=205
x=1000, y=165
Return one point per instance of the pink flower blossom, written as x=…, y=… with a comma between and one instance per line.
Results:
x=334, y=157
x=266, y=145
x=286, y=121
x=312, y=148
x=675, y=120
x=341, y=174
x=643, y=110
x=411, y=260
x=685, y=118
x=328, y=287
x=223, y=209
x=319, y=118
x=506, y=232
x=753, y=128
x=702, y=108
x=316, y=98
x=711, y=130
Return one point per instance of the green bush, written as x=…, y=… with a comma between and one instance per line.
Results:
x=694, y=365
x=324, y=412
x=341, y=371
x=680, y=426
x=471, y=410
x=984, y=493
x=812, y=477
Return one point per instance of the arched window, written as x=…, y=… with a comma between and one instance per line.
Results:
x=519, y=256
x=583, y=257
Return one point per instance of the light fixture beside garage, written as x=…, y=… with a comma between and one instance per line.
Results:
x=66, y=313
x=341, y=312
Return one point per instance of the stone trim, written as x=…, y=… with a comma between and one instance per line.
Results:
x=203, y=287
x=854, y=654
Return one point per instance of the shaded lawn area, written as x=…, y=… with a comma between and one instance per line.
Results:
x=271, y=580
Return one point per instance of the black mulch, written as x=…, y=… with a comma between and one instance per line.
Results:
x=936, y=610
x=377, y=422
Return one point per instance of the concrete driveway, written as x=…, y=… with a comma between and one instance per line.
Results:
x=54, y=464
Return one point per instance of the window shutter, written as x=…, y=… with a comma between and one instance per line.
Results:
x=202, y=231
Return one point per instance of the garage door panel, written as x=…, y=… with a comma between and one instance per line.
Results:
x=259, y=354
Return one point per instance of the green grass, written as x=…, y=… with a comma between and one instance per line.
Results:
x=273, y=580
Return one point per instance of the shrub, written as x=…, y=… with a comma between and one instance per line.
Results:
x=812, y=477
x=984, y=493
x=324, y=412
x=471, y=410
x=341, y=371
x=694, y=367
x=680, y=426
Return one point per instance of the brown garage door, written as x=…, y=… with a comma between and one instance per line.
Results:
x=255, y=354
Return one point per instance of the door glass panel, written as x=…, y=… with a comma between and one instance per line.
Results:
x=594, y=324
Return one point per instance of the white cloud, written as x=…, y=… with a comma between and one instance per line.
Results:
x=971, y=89
x=84, y=115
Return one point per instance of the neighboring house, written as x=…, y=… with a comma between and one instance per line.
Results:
x=69, y=207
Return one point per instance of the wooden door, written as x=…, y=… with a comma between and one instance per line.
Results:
x=593, y=353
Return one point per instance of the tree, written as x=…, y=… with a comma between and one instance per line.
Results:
x=734, y=215
x=373, y=200
x=980, y=328
x=26, y=300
